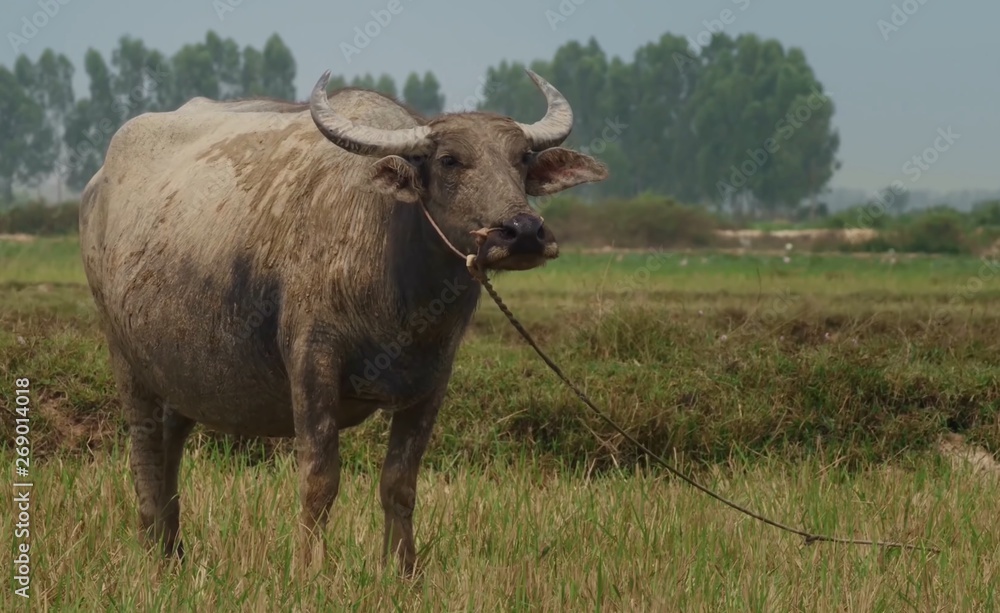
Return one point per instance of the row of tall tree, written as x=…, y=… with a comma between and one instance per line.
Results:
x=740, y=123
x=46, y=130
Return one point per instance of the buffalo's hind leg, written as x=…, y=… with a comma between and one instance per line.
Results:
x=176, y=429
x=157, y=435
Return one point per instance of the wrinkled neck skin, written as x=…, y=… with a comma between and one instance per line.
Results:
x=426, y=272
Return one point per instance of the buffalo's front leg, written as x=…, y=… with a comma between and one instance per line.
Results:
x=314, y=398
x=408, y=438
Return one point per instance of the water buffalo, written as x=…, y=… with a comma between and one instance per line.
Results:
x=251, y=277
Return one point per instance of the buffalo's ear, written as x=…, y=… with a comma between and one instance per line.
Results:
x=395, y=176
x=558, y=168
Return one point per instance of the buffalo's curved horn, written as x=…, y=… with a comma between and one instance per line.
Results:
x=552, y=129
x=364, y=140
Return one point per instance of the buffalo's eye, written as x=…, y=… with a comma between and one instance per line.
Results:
x=448, y=161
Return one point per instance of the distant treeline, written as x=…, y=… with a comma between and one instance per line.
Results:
x=740, y=124
x=656, y=222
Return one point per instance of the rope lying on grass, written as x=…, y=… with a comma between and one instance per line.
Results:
x=809, y=537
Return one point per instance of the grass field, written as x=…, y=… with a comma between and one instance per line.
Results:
x=818, y=391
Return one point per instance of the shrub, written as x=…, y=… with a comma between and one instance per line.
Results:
x=861, y=216
x=938, y=230
x=40, y=219
x=986, y=214
x=645, y=221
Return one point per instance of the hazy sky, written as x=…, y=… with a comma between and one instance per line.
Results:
x=893, y=89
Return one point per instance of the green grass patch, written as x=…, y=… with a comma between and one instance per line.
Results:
x=704, y=355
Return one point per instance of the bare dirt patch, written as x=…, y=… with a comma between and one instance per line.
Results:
x=850, y=235
x=18, y=238
x=69, y=430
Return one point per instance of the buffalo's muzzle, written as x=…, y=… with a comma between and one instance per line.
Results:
x=520, y=243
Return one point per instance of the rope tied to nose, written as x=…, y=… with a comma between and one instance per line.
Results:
x=808, y=537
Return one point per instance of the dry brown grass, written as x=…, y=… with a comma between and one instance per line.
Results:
x=815, y=391
x=631, y=542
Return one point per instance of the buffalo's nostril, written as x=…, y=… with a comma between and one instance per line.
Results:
x=523, y=233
